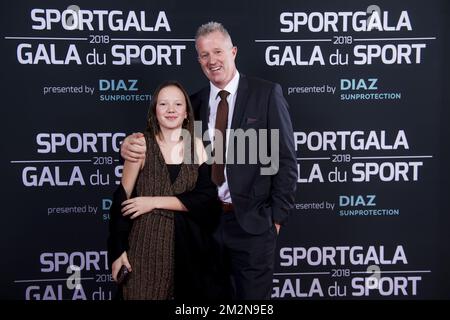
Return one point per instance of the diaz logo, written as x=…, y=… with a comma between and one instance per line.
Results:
x=123, y=90
x=117, y=85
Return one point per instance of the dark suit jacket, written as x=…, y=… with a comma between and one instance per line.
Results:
x=259, y=200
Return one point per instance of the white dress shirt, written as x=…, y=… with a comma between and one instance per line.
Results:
x=214, y=99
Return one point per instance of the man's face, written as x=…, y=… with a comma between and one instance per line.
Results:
x=216, y=56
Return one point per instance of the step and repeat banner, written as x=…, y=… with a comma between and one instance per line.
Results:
x=368, y=89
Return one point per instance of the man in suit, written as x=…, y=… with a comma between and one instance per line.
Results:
x=254, y=205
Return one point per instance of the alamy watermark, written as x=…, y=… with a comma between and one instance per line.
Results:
x=244, y=146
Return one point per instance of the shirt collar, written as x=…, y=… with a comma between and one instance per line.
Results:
x=231, y=87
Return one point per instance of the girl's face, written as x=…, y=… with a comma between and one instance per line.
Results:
x=171, y=108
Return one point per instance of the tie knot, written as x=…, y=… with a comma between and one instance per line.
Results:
x=223, y=94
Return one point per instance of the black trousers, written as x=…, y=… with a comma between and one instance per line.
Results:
x=248, y=259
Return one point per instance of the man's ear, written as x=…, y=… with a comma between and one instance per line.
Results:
x=234, y=51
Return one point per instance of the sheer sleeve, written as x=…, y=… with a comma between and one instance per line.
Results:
x=119, y=226
x=203, y=193
x=202, y=202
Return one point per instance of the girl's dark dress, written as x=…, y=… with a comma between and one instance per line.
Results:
x=173, y=254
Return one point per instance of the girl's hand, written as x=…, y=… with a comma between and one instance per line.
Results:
x=137, y=206
x=118, y=263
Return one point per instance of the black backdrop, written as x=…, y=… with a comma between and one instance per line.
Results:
x=378, y=231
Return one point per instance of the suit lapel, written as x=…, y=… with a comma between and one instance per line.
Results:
x=241, y=99
x=204, y=113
